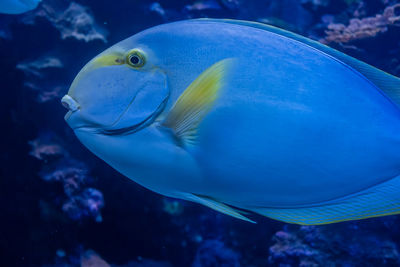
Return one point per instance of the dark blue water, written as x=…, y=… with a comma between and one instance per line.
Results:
x=62, y=206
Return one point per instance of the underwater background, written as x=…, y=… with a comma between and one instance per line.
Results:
x=62, y=206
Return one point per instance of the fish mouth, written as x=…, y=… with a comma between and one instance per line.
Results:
x=69, y=103
x=138, y=126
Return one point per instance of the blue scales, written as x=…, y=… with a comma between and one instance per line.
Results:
x=240, y=116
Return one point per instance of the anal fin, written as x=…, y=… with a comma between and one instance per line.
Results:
x=218, y=206
x=380, y=200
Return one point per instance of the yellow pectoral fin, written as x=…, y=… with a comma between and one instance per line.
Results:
x=195, y=102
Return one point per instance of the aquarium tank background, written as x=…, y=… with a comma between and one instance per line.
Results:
x=62, y=206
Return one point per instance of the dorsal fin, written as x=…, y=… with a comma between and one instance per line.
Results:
x=386, y=82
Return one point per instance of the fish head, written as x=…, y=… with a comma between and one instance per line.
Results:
x=122, y=90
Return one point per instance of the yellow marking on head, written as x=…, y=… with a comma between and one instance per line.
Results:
x=108, y=60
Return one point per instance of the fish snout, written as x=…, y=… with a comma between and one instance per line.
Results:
x=73, y=116
x=69, y=103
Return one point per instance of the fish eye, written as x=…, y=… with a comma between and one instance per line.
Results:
x=136, y=58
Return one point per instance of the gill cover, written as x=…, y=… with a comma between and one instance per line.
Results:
x=115, y=98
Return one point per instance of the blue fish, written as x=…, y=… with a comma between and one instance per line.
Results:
x=17, y=6
x=241, y=116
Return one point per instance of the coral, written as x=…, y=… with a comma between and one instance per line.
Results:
x=79, y=201
x=37, y=66
x=75, y=21
x=55, y=93
x=88, y=203
x=39, y=74
x=345, y=244
x=215, y=253
x=72, y=176
x=46, y=148
x=192, y=9
x=363, y=28
x=203, y=5
x=89, y=258
x=290, y=249
x=92, y=259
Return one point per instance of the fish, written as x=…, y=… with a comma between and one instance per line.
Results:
x=17, y=6
x=246, y=119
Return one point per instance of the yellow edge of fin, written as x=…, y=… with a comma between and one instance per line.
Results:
x=217, y=206
x=380, y=200
x=195, y=102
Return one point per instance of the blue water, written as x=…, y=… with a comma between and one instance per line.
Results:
x=62, y=206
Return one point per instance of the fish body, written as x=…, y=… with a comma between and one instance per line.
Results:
x=240, y=116
x=17, y=6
